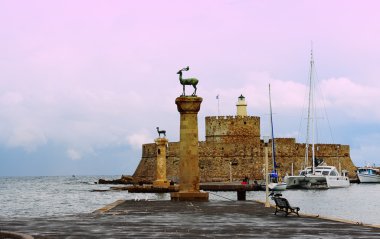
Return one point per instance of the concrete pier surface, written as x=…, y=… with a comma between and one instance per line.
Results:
x=182, y=219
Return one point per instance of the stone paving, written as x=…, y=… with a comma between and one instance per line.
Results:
x=167, y=219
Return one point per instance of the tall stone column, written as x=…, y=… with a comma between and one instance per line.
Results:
x=188, y=107
x=161, y=180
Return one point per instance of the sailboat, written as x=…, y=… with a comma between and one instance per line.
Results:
x=275, y=184
x=319, y=175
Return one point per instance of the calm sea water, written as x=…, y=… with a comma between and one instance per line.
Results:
x=59, y=196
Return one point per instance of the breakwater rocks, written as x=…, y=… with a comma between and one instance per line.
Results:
x=125, y=179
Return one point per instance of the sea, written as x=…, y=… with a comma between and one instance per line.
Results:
x=33, y=197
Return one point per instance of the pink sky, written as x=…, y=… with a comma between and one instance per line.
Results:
x=93, y=75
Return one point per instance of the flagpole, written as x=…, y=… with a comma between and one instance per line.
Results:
x=217, y=97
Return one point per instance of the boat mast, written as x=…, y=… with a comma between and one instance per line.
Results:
x=310, y=115
x=272, y=134
x=313, y=114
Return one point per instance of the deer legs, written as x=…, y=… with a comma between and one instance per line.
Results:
x=195, y=90
x=194, y=93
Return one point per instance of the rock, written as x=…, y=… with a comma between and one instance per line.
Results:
x=122, y=180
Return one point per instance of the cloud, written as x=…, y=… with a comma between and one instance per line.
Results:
x=140, y=138
x=366, y=149
x=357, y=101
x=27, y=138
x=73, y=154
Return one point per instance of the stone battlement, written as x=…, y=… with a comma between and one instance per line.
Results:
x=229, y=117
x=233, y=129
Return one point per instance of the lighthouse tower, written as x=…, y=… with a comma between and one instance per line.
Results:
x=241, y=106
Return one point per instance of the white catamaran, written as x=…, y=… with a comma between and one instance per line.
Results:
x=318, y=176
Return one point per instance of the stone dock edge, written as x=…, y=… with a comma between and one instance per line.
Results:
x=335, y=219
x=108, y=207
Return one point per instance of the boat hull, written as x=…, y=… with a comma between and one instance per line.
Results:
x=366, y=178
x=305, y=182
x=337, y=181
x=277, y=186
x=316, y=182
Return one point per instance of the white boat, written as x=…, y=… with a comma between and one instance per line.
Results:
x=324, y=177
x=317, y=176
x=368, y=174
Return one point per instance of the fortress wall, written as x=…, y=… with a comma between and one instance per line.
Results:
x=237, y=140
x=288, y=152
x=172, y=163
x=218, y=168
x=215, y=158
x=146, y=170
x=232, y=129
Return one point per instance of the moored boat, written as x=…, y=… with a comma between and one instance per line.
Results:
x=368, y=174
x=323, y=177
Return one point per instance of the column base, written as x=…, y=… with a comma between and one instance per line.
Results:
x=161, y=184
x=189, y=196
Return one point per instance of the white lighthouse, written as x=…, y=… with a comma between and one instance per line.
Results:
x=241, y=106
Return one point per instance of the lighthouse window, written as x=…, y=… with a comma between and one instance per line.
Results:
x=159, y=151
x=245, y=122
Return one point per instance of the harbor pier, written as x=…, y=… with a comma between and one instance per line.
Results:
x=184, y=219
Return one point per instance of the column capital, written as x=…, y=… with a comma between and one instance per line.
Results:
x=161, y=141
x=188, y=104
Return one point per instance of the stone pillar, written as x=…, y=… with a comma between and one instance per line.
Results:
x=161, y=180
x=188, y=107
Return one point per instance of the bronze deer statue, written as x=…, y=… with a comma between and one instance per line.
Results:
x=188, y=81
x=161, y=132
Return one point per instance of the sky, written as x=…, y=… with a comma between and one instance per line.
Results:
x=83, y=84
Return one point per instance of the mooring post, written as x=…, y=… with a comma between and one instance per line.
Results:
x=241, y=195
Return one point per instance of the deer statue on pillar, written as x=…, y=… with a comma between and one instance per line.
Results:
x=161, y=132
x=188, y=81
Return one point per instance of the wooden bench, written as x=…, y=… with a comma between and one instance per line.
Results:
x=283, y=205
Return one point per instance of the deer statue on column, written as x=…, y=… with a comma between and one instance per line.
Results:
x=188, y=81
x=161, y=132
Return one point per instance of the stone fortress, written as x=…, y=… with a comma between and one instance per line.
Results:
x=234, y=149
